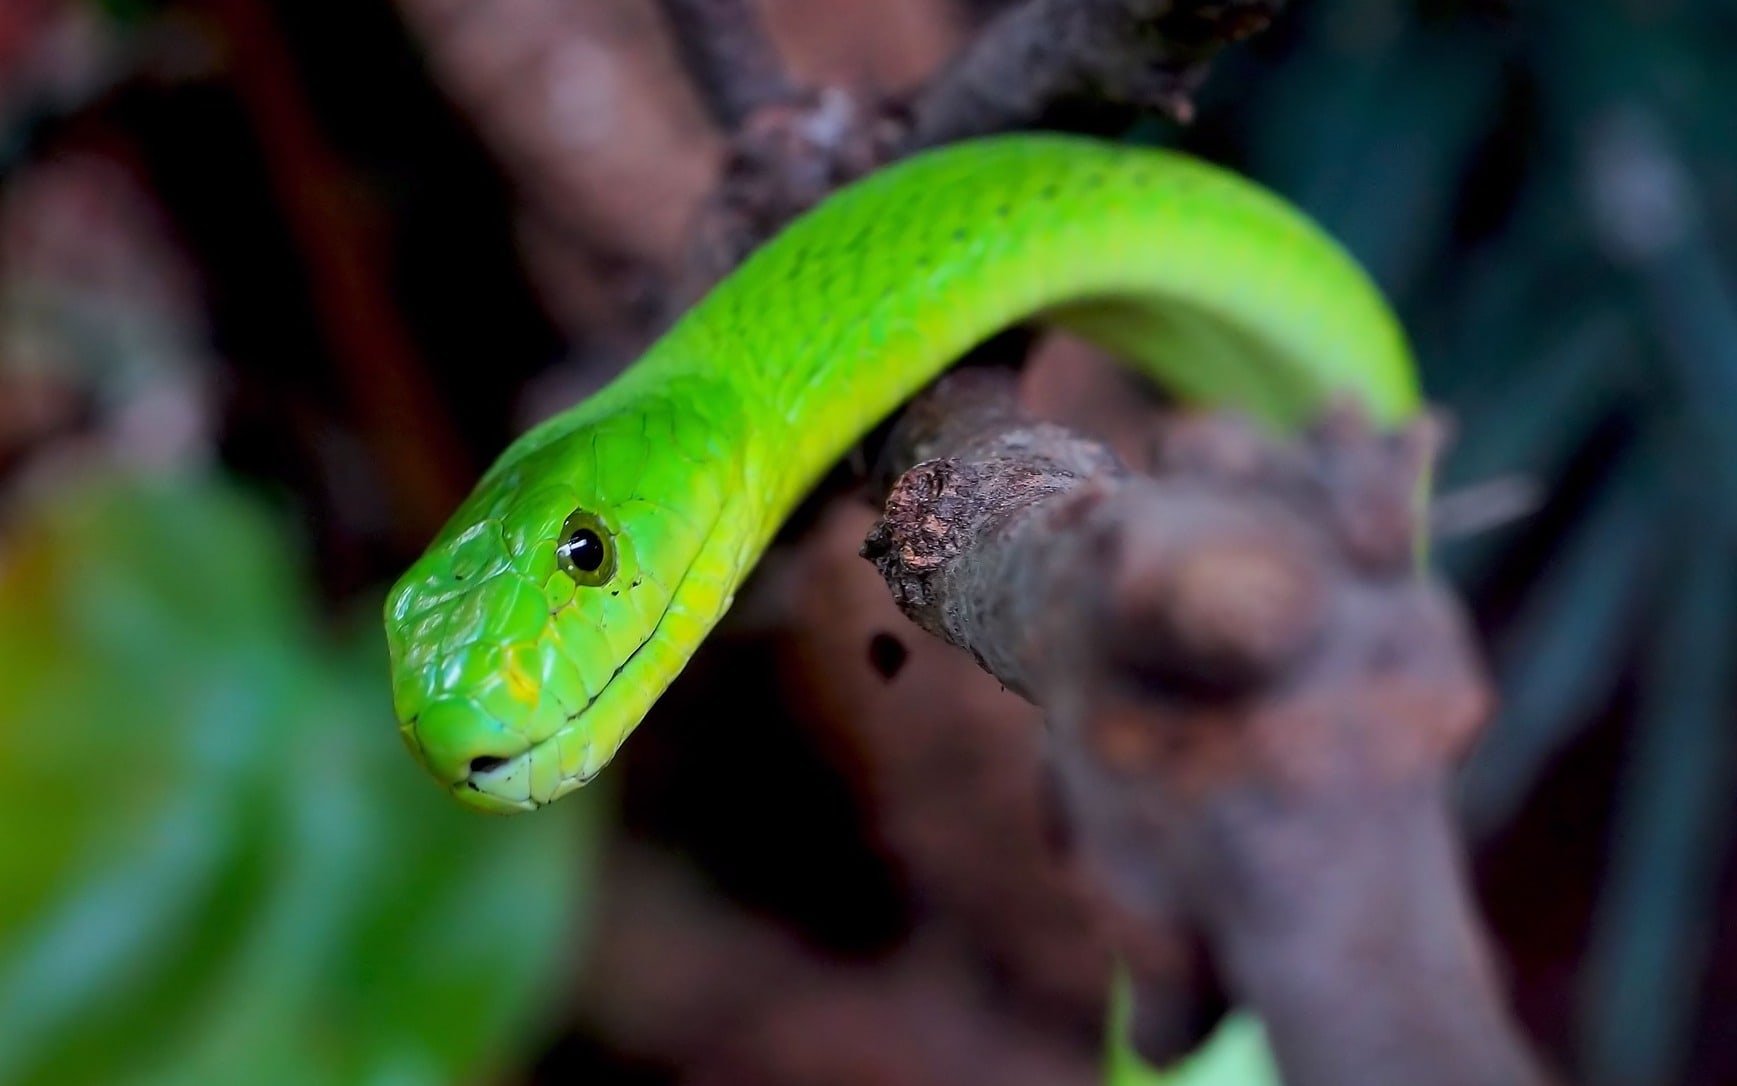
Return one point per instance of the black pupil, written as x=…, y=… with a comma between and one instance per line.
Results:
x=585, y=550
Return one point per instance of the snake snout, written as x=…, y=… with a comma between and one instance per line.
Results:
x=458, y=742
x=494, y=783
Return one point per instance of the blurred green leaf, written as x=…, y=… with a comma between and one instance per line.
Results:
x=1650, y=941
x=1372, y=134
x=1234, y=1054
x=220, y=865
x=1562, y=657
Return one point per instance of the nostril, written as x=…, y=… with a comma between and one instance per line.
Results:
x=486, y=763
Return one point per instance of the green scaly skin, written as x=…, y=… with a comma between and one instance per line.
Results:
x=516, y=682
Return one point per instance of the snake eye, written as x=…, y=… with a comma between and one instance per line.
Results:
x=587, y=550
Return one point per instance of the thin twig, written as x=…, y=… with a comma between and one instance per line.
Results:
x=731, y=57
x=388, y=384
x=1137, y=54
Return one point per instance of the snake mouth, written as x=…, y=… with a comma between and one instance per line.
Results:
x=494, y=785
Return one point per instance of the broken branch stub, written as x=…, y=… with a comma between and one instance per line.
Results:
x=1023, y=543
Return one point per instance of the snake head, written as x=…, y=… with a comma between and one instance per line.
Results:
x=556, y=605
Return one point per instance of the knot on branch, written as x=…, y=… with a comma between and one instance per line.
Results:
x=1218, y=615
x=1367, y=489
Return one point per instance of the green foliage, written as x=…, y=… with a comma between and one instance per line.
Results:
x=219, y=864
x=1235, y=1054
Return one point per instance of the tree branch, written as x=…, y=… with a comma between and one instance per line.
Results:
x=1254, y=699
x=1038, y=57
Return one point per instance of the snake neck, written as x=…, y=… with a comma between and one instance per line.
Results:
x=1205, y=282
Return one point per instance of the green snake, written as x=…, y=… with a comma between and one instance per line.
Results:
x=603, y=545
